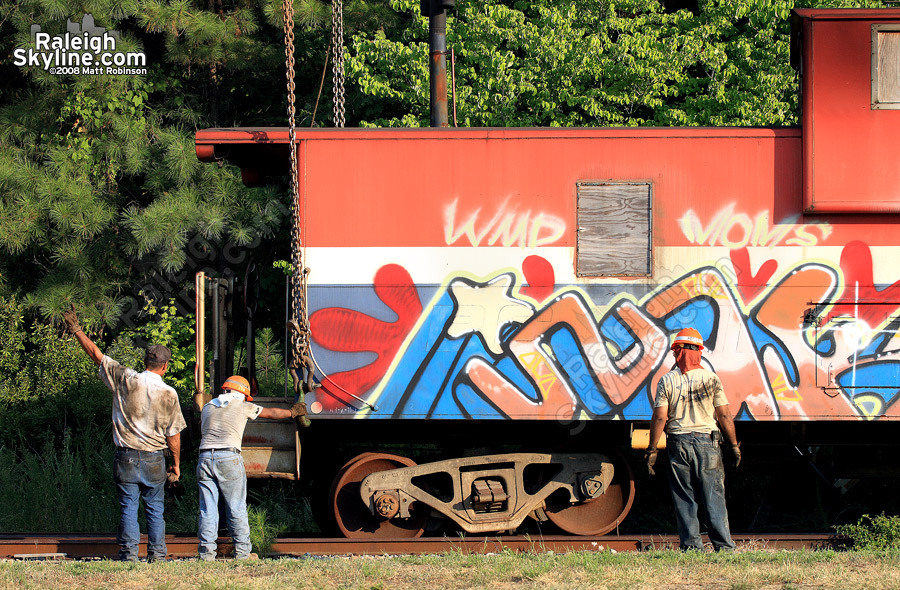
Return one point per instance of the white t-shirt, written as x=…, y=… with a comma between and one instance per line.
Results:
x=692, y=399
x=222, y=421
x=144, y=410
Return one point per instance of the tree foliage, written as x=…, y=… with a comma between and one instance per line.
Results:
x=47, y=384
x=590, y=63
x=99, y=181
x=98, y=176
x=164, y=325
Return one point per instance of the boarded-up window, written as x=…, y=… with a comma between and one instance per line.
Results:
x=886, y=66
x=613, y=229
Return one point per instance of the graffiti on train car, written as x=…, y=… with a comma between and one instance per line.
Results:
x=506, y=226
x=788, y=343
x=738, y=230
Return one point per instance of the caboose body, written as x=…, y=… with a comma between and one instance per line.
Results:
x=535, y=276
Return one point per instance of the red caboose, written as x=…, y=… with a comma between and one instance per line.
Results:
x=480, y=288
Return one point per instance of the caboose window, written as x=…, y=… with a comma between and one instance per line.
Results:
x=613, y=229
x=886, y=66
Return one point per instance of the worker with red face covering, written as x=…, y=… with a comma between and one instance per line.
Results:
x=692, y=407
x=220, y=468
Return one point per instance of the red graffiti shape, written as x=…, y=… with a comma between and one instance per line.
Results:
x=859, y=286
x=750, y=285
x=347, y=330
x=539, y=277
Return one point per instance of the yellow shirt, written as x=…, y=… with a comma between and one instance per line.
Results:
x=692, y=399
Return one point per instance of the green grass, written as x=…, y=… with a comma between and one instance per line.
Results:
x=782, y=570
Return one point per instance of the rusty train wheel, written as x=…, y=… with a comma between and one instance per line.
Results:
x=598, y=516
x=332, y=493
x=353, y=517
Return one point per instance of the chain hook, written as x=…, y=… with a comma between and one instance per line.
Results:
x=302, y=366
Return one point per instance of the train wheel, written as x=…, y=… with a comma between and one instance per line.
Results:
x=600, y=515
x=353, y=517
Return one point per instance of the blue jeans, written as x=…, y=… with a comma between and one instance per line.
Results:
x=697, y=478
x=140, y=475
x=221, y=472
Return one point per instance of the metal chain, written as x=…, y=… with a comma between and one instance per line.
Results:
x=302, y=365
x=337, y=52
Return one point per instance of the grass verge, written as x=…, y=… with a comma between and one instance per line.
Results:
x=784, y=570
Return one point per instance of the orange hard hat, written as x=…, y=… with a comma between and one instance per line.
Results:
x=238, y=384
x=689, y=336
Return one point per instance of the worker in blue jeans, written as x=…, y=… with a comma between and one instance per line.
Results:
x=140, y=475
x=146, y=419
x=691, y=406
x=220, y=469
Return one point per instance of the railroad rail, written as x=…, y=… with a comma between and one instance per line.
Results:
x=87, y=546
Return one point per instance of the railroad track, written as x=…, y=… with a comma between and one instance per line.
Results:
x=86, y=546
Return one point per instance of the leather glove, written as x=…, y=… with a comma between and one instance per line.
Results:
x=736, y=451
x=298, y=409
x=71, y=319
x=173, y=484
x=650, y=459
x=298, y=413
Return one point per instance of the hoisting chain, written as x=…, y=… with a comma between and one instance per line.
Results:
x=302, y=364
x=337, y=59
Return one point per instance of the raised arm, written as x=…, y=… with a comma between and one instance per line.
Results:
x=86, y=343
